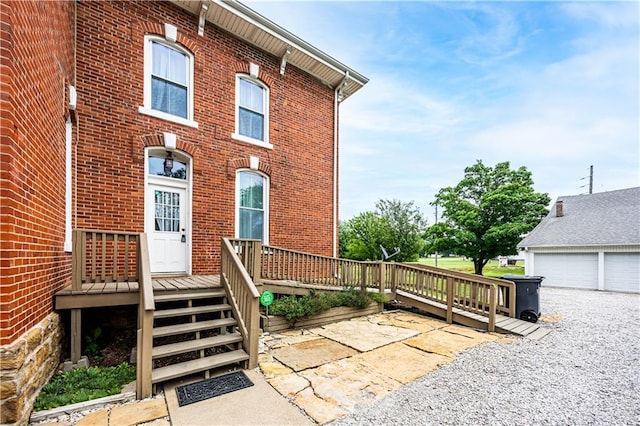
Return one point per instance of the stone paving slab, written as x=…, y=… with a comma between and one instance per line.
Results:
x=97, y=418
x=289, y=337
x=408, y=320
x=471, y=333
x=364, y=335
x=401, y=362
x=443, y=343
x=139, y=412
x=393, y=349
x=311, y=353
x=343, y=384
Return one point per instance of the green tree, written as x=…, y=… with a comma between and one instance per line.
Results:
x=365, y=234
x=394, y=224
x=405, y=225
x=486, y=213
x=343, y=238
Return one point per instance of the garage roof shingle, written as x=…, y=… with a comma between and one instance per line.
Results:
x=605, y=218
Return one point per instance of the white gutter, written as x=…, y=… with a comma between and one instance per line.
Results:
x=287, y=37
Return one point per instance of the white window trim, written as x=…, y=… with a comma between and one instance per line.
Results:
x=265, y=194
x=236, y=134
x=146, y=107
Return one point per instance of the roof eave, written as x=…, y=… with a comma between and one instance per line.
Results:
x=319, y=62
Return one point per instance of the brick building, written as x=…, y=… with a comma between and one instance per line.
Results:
x=187, y=120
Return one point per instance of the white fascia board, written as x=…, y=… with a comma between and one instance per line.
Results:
x=286, y=37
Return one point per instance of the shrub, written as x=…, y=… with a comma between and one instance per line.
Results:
x=294, y=308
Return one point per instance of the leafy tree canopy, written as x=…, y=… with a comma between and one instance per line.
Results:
x=393, y=224
x=486, y=213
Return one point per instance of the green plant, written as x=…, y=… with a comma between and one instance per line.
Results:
x=92, y=346
x=84, y=384
x=294, y=308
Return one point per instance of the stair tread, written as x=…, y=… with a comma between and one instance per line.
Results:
x=194, y=366
x=191, y=327
x=194, y=345
x=169, y=296
x=193, y=310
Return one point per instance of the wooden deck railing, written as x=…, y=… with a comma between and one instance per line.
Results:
x=146, y=308
x=473, y=293
x=243, y=295
x=103, y=257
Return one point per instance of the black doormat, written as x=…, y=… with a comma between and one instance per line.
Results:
x=209, y=388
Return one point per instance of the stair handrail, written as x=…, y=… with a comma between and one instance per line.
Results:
x=146, y=307
x=243, y=297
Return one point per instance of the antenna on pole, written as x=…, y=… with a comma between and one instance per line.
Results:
x=590, y=180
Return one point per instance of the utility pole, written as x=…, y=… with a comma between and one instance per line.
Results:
x=436, y=205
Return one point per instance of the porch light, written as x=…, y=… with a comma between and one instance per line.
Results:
x=168, y=163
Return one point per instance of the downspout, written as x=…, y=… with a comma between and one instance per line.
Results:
x=335, y=169
x=336, y=102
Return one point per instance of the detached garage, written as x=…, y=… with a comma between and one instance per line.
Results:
x=588, y=241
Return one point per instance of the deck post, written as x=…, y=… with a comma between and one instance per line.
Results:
x=383, y=277
x=493, y=304
x=363, y=277
x=256, y=267
x=449, y=300
x=76, y=334
x=146, y=307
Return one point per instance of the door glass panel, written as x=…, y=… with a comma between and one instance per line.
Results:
x=167, y=211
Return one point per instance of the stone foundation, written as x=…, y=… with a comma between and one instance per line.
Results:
x=26, y=365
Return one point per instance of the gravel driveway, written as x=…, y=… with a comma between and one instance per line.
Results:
x=586, y=371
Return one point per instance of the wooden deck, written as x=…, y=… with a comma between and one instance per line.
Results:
x=126, y=293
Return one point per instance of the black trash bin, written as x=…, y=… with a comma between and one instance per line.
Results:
x=527, y=296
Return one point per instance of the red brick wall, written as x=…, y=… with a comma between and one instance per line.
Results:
x=36, y=67
x=113, y=133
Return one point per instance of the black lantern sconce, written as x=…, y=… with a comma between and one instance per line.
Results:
x=168, y=164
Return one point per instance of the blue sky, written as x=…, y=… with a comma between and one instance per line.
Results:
x=552, y=86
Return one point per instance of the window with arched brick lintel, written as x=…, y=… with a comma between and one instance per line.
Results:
x=168, y=81
x=252, y=205
x=252, y=111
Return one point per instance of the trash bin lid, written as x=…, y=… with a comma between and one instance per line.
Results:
x=521, y=278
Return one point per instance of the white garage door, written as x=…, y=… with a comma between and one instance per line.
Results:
x=622, y=272
x=577, y=270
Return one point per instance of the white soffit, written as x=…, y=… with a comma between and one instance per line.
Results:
x=245, y=23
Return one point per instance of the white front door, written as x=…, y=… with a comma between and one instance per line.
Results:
x=167, y=228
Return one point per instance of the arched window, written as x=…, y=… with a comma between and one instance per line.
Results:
x=168, y=81
x=252, y=111
x=252, y=201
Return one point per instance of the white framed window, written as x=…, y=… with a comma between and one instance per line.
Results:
x=252, y=201
x=168, y=81
x=252, y=111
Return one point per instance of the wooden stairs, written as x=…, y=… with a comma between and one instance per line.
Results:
x=194, y=331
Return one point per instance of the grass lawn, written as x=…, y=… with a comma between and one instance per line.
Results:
x=458, y=264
